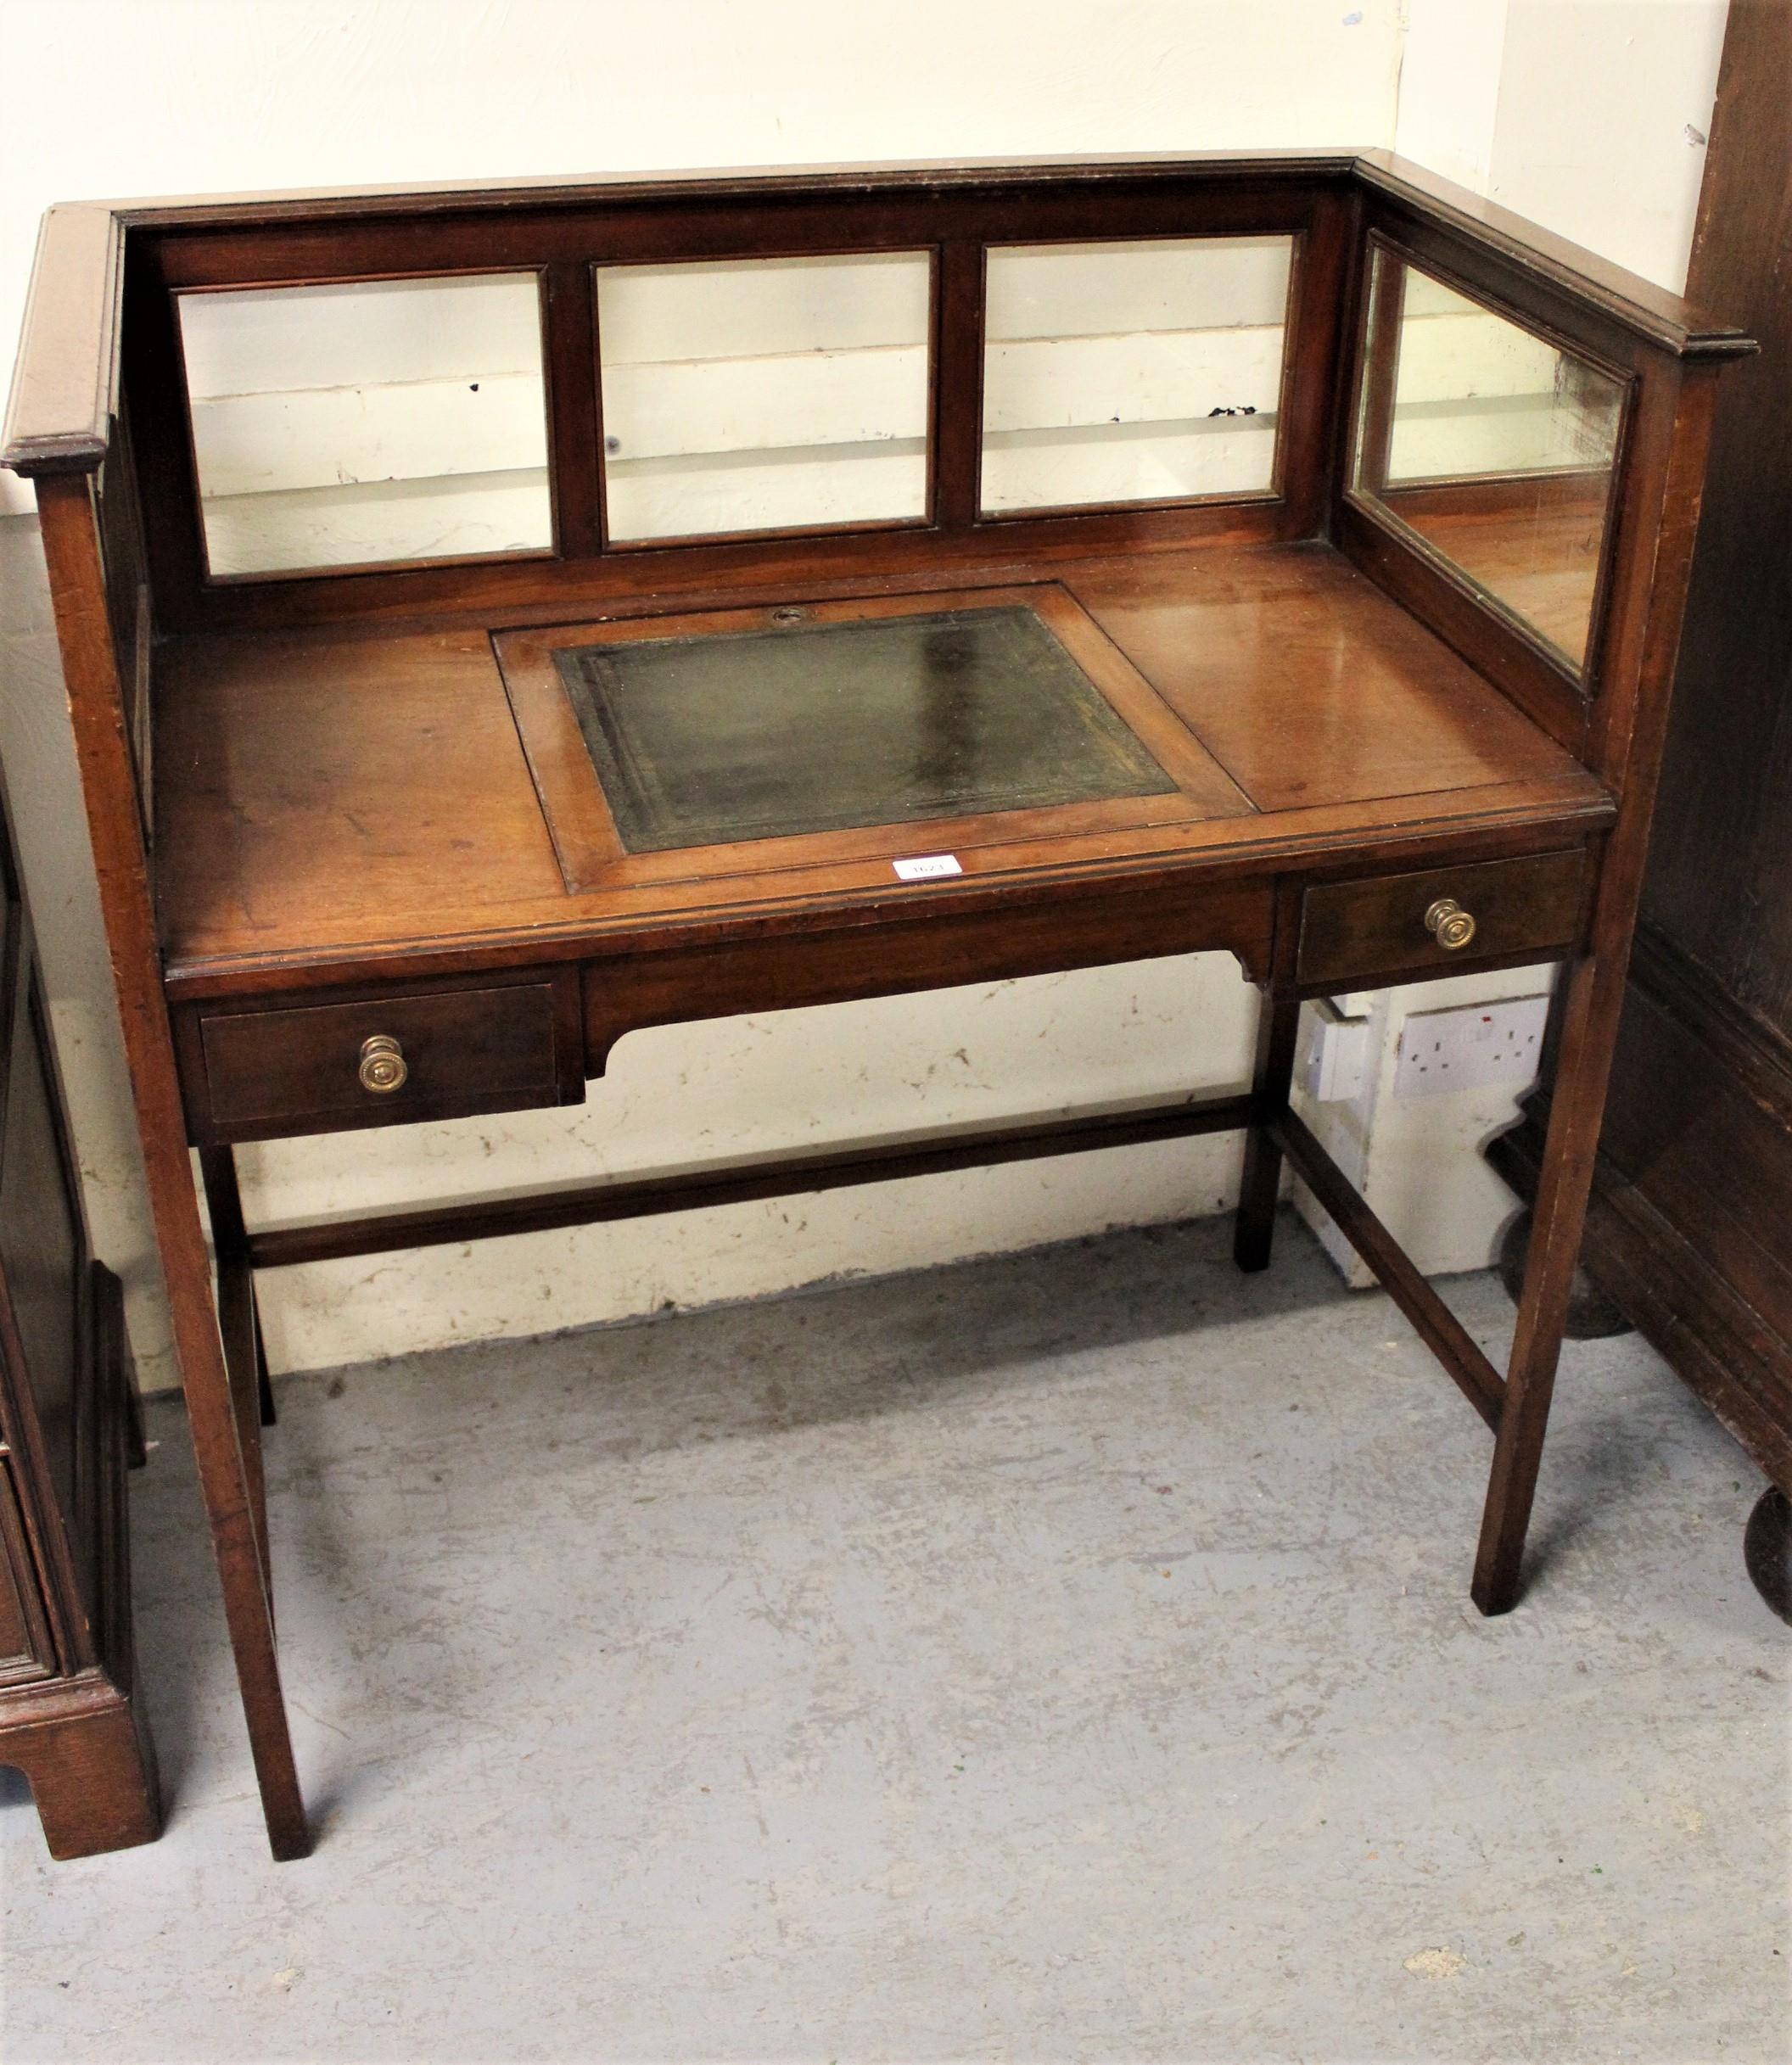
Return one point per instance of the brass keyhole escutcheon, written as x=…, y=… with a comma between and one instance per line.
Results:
x=383, y=1068
x=1449, y=924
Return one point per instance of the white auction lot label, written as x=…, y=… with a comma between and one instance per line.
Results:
x=928, y=868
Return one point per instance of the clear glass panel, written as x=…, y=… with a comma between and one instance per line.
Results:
x=752, y=395
x=385, y=420
x=1132, y=373
x=1494, y=445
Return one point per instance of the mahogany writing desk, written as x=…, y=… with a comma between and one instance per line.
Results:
x=1282, y=555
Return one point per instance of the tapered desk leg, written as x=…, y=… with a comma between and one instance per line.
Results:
x=1277, y=1026
x=264, y=1381
x=240, y=1326
x=1278, y=1022
x=109, y=786
x=1583, y=1067
x=224, y=1481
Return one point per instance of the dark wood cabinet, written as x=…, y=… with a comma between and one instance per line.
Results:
x=69, y=1716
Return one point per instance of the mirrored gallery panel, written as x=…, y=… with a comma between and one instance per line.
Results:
x=1136, y=372
x=756, y=394
x=378, y=421
x=1495, y=445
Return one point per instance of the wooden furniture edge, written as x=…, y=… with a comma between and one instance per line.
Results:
x=1661, y=318
x=64, y=391
x=64, y=384
x=1528, y=826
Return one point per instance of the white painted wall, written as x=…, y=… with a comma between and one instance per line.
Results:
x=1589, y=116
x=1572, y=111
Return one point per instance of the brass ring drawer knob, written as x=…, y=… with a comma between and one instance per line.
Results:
x=383, y=1066
x=1449, y=924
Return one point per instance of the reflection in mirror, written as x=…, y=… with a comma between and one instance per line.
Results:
x=1137, y=371
x=1493, y=445
x=384, y=420
x=758, y=394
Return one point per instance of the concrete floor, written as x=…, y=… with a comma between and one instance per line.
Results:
x=1065, y=1657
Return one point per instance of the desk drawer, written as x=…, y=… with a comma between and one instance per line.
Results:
x=1355, y=933
x=388, y=1060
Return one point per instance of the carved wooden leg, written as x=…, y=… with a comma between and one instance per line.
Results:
x=1277, y=1024
x=1589, y=1025
x=91, y=1773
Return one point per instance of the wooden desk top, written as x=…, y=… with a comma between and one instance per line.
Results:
x=358, y=800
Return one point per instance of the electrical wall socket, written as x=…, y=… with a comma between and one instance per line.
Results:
x=1471, y=1047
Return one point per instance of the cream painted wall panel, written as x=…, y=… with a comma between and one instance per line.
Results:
x=1604, y=106
x=1146, y=284
x=762, y=308
x=477, y=514
x=780, y=401
x=190, y=96
x=1449, y=86
x=1153, y=376
x=422, y=430
x=369, y=334
x=1589, y=116
x=1143, y=462
x=1483, y=438
x=774, y=491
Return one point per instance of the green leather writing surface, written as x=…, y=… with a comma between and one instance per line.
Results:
x=822, y=727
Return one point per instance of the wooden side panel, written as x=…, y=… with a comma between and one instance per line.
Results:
x=1709, y=1147
x=65, y=386
x=1720, y=879
x=26, y=1651
x=43, y=1262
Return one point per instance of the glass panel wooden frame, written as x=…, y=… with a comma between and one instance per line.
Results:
x=413, y=431
x=1530, y=540
x=772, y=415
x=1106, y=400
